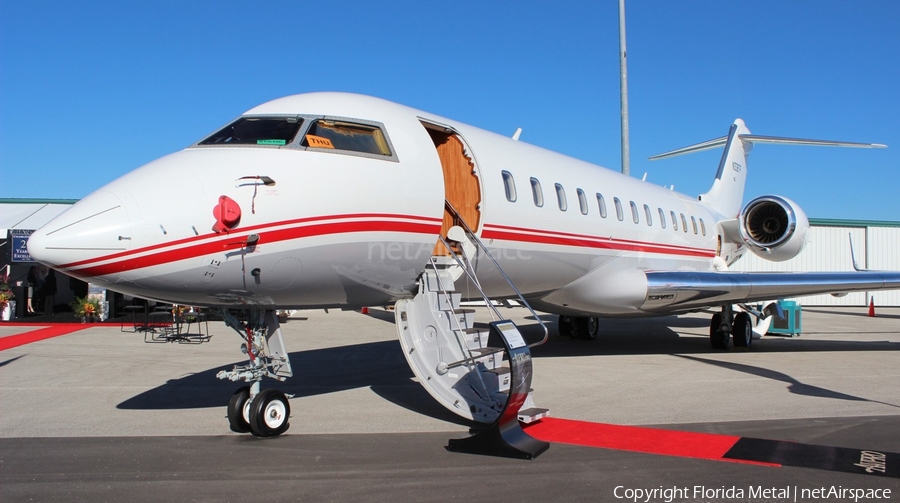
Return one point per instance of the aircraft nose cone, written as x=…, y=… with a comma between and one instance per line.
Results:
x=94, y=227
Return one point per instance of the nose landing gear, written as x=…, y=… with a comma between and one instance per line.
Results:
x=263, y=413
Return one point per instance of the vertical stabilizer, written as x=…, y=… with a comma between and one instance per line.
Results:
x=727, y=191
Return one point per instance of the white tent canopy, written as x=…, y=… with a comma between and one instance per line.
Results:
x=30, y=214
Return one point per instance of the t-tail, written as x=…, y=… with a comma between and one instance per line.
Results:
x=727, y=191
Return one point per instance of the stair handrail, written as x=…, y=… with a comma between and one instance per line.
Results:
x=470, y=361
x=462, y=223
x=466, y=268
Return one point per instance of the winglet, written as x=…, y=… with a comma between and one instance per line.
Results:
x=853, y=255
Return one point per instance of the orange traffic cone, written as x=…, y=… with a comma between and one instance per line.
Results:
x=872, y=306
x=365, y=310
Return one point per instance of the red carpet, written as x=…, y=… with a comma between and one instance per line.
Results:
x=637, y=439
x=47, y=332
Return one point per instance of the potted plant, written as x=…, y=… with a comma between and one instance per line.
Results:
x=87, y=308
x=7, y=304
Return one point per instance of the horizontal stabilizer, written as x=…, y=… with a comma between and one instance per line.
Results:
x=752, y=138
x=717, y=142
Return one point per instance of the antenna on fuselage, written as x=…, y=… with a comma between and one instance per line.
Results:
x=623, y=90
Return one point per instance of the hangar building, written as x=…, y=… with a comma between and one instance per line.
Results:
x=876, y=244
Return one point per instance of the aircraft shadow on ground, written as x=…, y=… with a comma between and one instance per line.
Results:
x=379, y=366
x=794, y=386
x=664, y=336
x=7, y=362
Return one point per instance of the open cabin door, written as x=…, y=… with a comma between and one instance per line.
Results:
x=449, y=355
x=462, y=187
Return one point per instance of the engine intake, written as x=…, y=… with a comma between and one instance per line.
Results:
x=774, y=227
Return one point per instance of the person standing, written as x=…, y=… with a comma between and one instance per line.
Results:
x=49, y=291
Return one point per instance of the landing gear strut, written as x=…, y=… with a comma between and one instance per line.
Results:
x=263, y=413
x=728, y=325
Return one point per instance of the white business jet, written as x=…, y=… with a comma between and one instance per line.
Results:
x=332, y=200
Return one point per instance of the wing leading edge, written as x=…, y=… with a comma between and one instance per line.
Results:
x=678, y=290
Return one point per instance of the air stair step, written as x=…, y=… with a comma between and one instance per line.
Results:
x=448, y=302
x=497, y=379
x=477, y=352
x=439, y=282
x=465, y=317
x=533, y=414
x=471, y=331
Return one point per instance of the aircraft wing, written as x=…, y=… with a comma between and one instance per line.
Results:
x=676, y=290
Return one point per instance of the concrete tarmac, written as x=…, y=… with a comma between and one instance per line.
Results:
x=100, y=415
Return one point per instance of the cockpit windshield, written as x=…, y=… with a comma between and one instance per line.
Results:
x=346, y=136
x=257, y=131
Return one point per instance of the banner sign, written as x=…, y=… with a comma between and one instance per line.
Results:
x=18, y=239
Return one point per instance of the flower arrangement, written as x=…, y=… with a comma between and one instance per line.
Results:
x=6, y=293
x=86, y=307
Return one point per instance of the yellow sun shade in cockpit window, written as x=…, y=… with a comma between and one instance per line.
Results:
x=318, y=141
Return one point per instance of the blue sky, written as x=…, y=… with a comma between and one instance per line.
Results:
x=90, y=90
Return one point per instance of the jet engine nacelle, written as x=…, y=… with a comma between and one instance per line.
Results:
x=774, y=227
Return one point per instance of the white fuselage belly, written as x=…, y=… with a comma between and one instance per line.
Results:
x=343, y=230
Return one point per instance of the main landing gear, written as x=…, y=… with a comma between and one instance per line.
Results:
x=264, y=413
x=579, y=327
x=728, y=325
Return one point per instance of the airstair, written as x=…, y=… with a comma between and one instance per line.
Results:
x=469, y=370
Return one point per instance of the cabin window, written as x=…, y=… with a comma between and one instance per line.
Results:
x=582, y=201
x=634, y=212
x=601, y=203
x=561, y=197
x=537, y=192
x=648, y=215
x=264, y=131
x=339, y=135
x=702, y=227
x=619, y=213
x=683, y=223
x=662, y=218
x=694, y=224
x=674, y=221
x=509, y=185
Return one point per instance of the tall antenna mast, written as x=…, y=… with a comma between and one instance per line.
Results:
x=623, y=90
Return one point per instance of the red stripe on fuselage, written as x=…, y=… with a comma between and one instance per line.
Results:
x=243, y=230
x=197, y=246
x=273, y=236
x=567, y=239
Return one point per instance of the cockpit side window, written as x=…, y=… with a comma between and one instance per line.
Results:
x=340, y=135
x=278, y=131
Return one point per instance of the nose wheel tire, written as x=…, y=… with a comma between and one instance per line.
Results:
x=239, y=410
x=269, y=413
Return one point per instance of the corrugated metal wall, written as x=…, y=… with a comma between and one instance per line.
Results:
x=883, y=253
x=828, y=249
